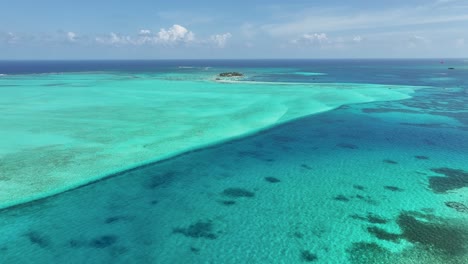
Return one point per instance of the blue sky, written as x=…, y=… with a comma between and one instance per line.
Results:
x=109, y=29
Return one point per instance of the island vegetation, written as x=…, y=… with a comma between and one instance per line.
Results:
x=231, y=74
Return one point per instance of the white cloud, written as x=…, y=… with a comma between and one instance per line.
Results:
x=11, y=38
x=175, y=34
x=145, y=37
x=220, y=39
x=115, y=39
x=71, y=36
x=315, y=38
x=144, y=32
x=357, y=39
x=171, y=36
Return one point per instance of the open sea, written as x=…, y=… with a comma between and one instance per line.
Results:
x=298, y=161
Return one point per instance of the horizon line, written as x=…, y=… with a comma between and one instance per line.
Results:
x=243, y=59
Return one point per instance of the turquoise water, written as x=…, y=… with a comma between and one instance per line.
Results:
x=368, y=182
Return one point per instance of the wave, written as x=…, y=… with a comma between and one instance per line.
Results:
x=193, y=67
x=310, y=73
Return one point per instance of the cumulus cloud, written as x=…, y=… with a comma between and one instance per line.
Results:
x=145, y=37
x=220, y=39
x=175, y=34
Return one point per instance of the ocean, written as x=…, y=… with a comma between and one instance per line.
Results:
x=298, y=161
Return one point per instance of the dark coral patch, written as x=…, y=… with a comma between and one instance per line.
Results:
x=201, y=229
x=160, y=180
x=388, y=161
x=347, y=146
x=227, y=203
x=308, y=256
x=305, y=166
x=454, y=179
x=363, y=252
x=393, y=188
x=103, y=241
x=419, y=157
x=433, y=233
x=195, y=250
x=238, y=192
x=114, y=219
x=272, y=179
x=38, y=239
x=341, y=198
x=359, y=187
x=370, y=218
x=374, y=219
x=383, y=234
x=457, y=206
x=367, y=199
x=298, y=234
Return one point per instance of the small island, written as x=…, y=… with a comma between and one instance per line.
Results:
x=231, y=74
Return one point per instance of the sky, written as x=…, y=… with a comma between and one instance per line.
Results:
x=145, y=29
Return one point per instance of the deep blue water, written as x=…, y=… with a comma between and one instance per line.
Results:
x=386, y=71
x=381, y=182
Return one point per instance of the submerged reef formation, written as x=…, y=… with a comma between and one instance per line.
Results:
x=103, y=241
x=237, y=193
x=455, y=179
x=436, y=239
x=370, y=218
x=308, y=256
x=457, y=206
x=38, y=239
x=200, y=229
x=393, y=188
x=347, y=146
x=272, y=179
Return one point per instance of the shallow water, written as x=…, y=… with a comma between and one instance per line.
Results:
x=379, y=182
x=60, y=131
